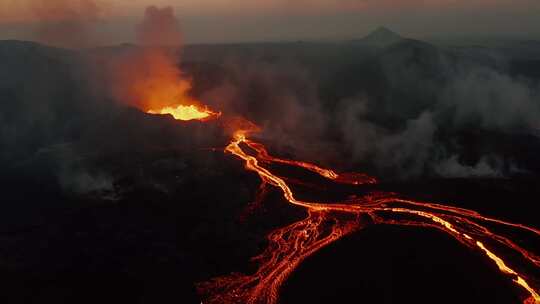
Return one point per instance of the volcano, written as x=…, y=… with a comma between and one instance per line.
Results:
x=382, y=170
x=380, y=37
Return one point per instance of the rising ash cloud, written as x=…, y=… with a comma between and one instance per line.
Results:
x=61, y=125
x=70, y=121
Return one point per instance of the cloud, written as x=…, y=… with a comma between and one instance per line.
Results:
x=474, y=100
x=492, y=100
x=74, y=175
x=358, y=132
x=402, y=117
x=282, y=98
x=487, y=166
x=149, y=77
x=408, y=151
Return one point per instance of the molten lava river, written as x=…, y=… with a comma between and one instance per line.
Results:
x=326, y=222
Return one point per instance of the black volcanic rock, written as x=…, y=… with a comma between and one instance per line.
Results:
x=175, y=211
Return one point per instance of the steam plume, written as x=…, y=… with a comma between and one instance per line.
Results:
x=160, y=27
x=149, y=77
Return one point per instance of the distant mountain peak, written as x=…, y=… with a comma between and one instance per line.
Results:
x=382, y=36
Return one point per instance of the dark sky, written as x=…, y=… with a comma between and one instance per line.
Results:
x=113, y=21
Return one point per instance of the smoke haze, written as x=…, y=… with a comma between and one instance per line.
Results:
x=65, y=23
x=407, y=121
x=405, y=110
x=211, y=21
x=149, y=77
x=160, y=27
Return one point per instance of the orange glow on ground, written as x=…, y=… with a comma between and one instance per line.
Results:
x=327, y=222
x=186, y=113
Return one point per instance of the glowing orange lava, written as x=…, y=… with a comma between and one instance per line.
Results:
x=151, y=80
x=327, y=222
x=191, y=112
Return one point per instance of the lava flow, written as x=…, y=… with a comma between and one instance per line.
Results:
x=327, y=222
x=191, y=112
